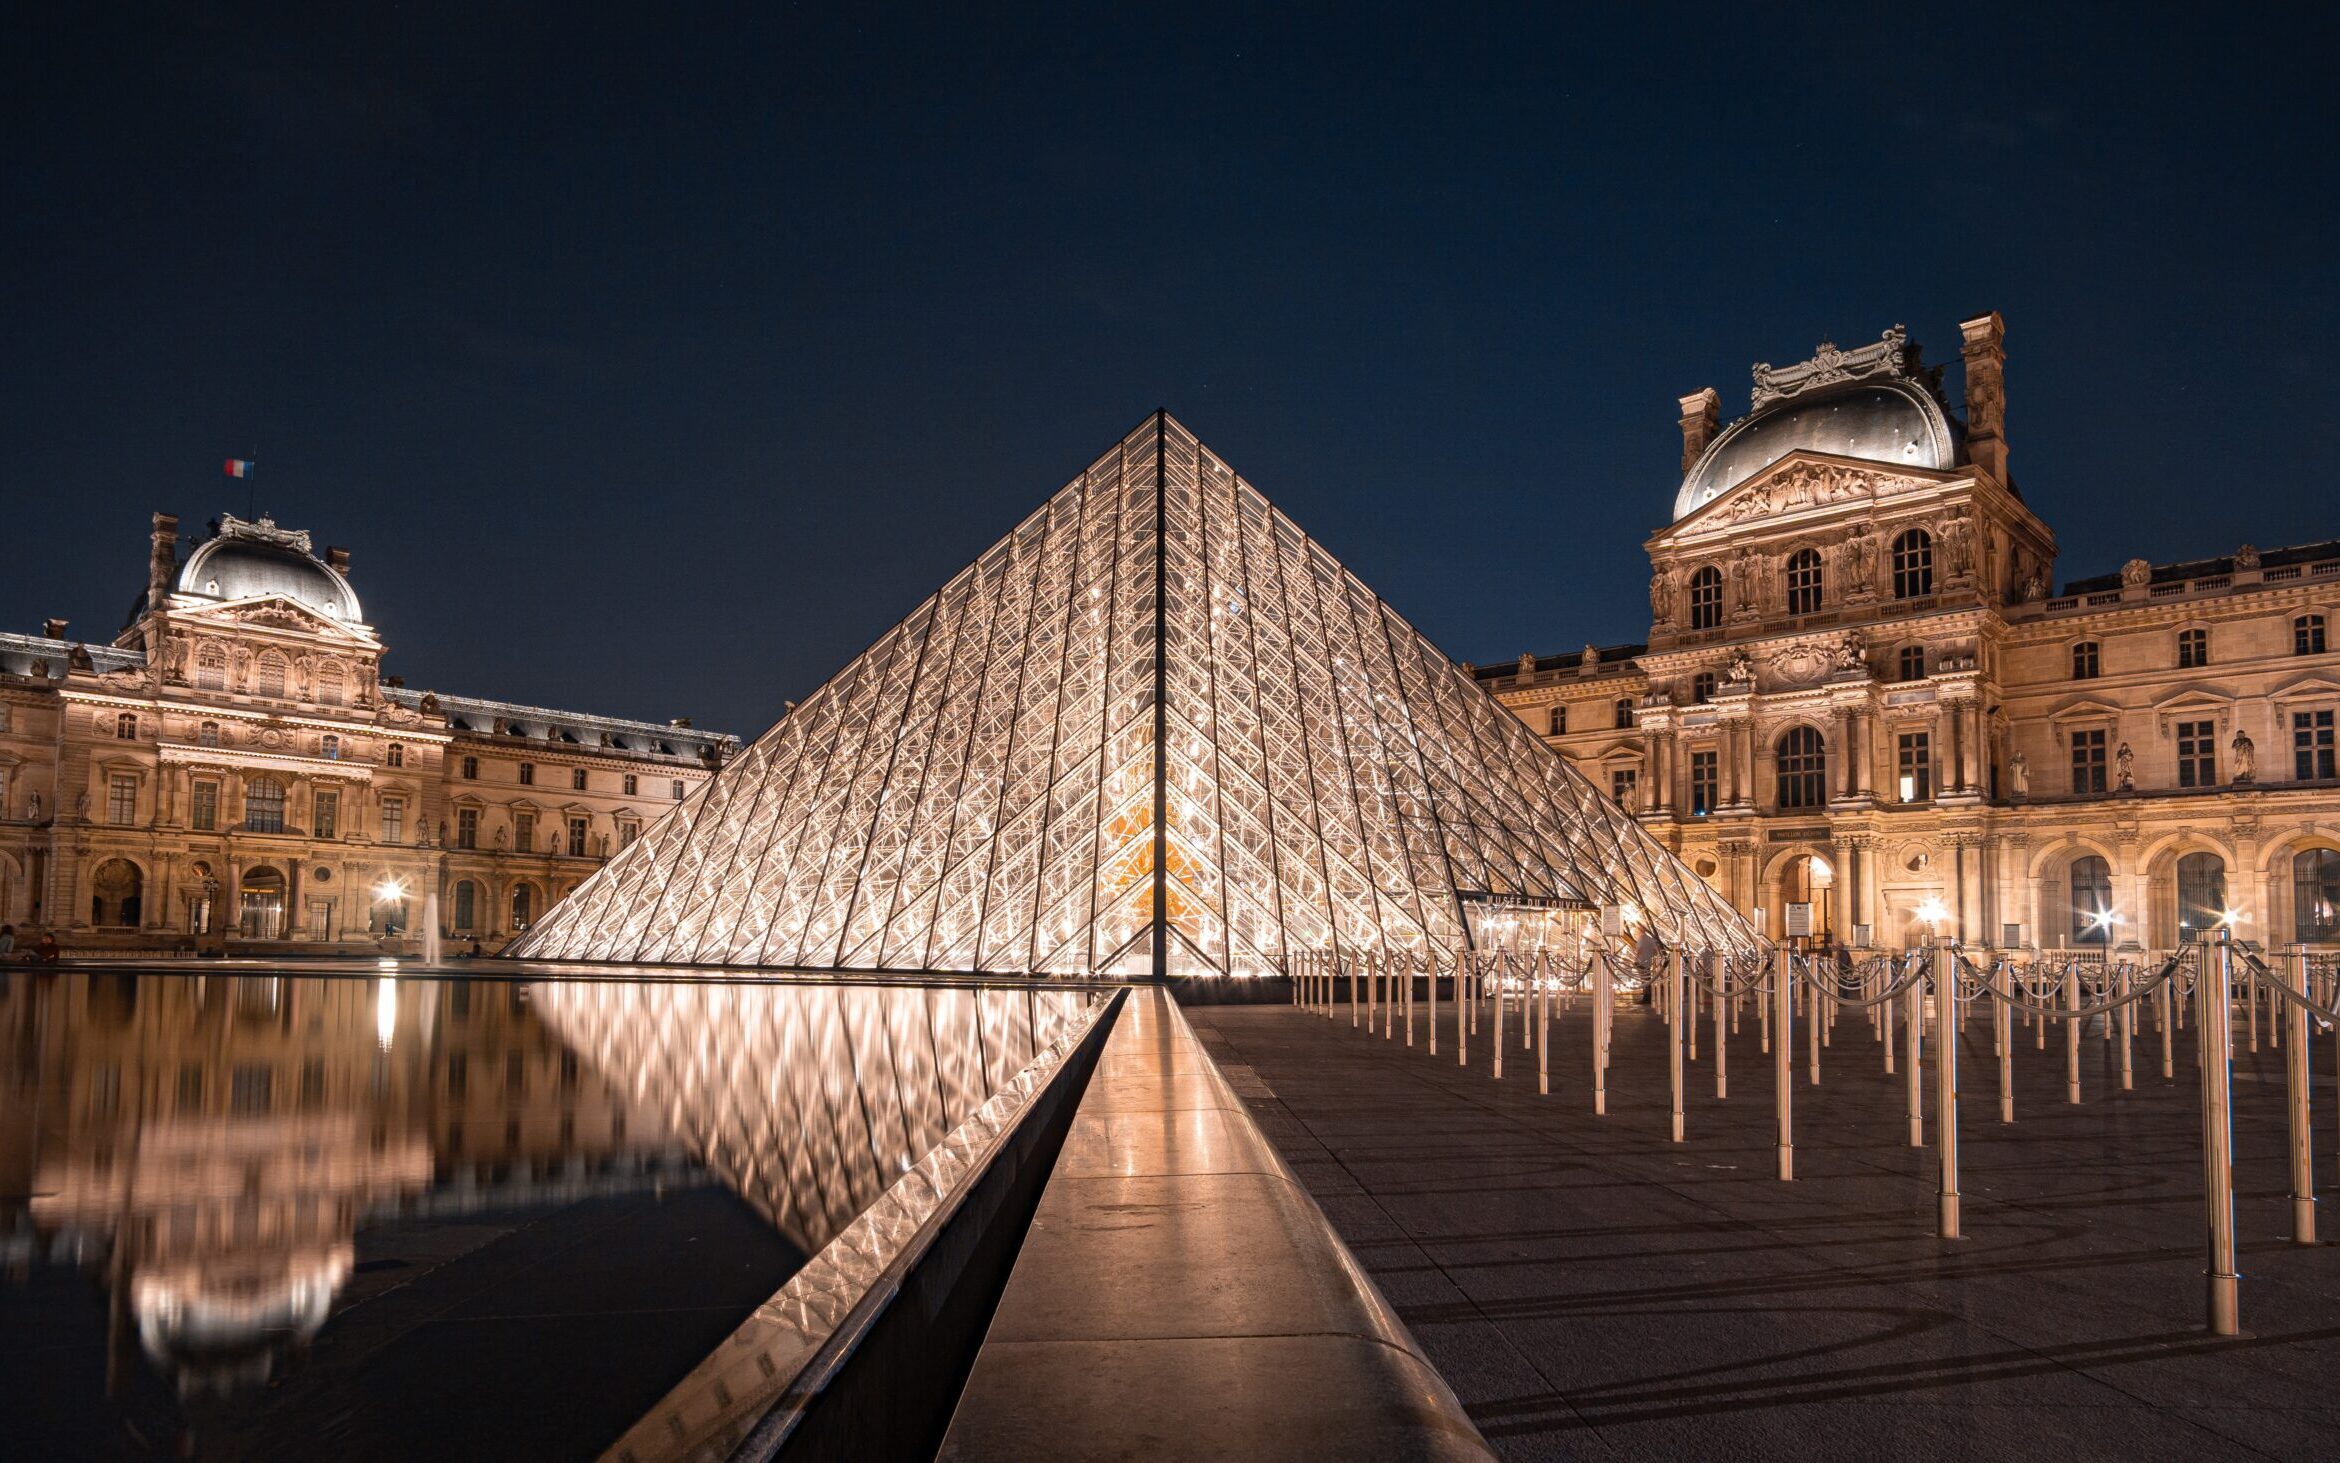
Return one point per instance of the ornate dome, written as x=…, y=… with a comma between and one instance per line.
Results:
x=1892, y=422
x=247, y=560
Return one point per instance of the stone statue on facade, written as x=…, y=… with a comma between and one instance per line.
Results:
x=1590, y=658
x=2136, y=574
x=2246, y=557
x=1661, y=598
x=2245, y=755
x=1527, y=665
x=1629, y=796
x=2125, y=767
x=1848, y=654
x=2019, y=775
x=1742, y=670
x=503, y=839
x=77, y=659
x=32, y=807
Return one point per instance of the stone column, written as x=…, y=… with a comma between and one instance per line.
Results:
x=1865, y=731
x=1847, y=778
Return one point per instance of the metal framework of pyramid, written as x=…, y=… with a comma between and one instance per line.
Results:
x=1156, y=730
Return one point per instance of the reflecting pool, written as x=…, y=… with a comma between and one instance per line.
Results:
x=263, y=1215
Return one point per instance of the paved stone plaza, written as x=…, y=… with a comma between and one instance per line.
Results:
x=1591, y=1290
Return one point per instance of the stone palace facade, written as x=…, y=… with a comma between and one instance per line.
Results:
x=233, y=772
x=1861, y=689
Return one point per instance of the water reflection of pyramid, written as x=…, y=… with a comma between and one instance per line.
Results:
x=1154, y=730
x=808, y=1100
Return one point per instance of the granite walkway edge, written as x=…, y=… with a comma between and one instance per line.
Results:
x=1180, y=1294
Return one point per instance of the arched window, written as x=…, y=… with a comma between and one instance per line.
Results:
x=1706, y=598
x=466, y=905
x=1702, y=688
x=1911, y=665
x=2087, y=661
x=264, y=805
x=211, y=668
x=2315, y=895
x=395, y=757
x=207, y=735
x=2307, y=635
x=114, y=890
x=523, y=906
x=268, y=676
x=1913, y=564
x=1559, y=725
x=1803, y=768
x=2193, y=649
x=2201, y=893
x=1624, y=711
x=1803, y=582
x=2091, y=901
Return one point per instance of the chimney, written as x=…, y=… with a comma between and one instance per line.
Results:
x=53, y=629
x=1701, y=414
x=1986, y=393
x=337, y=559
x=162, y=559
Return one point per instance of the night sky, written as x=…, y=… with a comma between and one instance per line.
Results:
x=654, y=360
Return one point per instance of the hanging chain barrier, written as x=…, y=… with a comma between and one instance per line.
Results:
x=1386, y=992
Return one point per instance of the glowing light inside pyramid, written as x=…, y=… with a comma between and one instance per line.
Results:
x=1155, y=729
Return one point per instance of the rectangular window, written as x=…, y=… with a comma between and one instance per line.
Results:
x=678, y=789
x=122, y=799
x=471, y=769
x=577, y=778
x=2311, y=744
x=1622, y=784
x=2087, y=663
x=1705, y=783
x=264, y=806
x=631, y=784
x=627, y=833
x=1914, y=762
x=524, y=832
x=576, y=838
x=393, y=820
x=467, y=827
x=2197, y=753
x=2307, y=635
x=528, y=774
x=328, y=815
x=2193, y=649
x=2088, y=761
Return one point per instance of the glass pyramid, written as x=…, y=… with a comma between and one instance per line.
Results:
x=1156, y=730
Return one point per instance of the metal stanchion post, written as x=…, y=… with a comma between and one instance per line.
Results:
x=1462, y=1005
x=1815, y=1015
x=1431, y=959
x=2126, y=986
x=1604, y=1011
x=2162, y=1001
x=1544, y=1032
x=2072, y=1034
x=1946, y=1081
x=1885, y=1027
x=1914, y=1078
x=2303, y=1138
x=1674, y=1032
x=1783, y=1056
x=1716, y=968
x=2213, y=1026
x=2003, y=1022
x=1497, y=1044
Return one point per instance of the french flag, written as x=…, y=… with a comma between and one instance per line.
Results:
x=237, y=467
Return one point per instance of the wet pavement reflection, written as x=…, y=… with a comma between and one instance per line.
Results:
x=260, y=1216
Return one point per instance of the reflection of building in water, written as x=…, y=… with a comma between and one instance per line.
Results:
x=808, y=1100
x=213, y=1144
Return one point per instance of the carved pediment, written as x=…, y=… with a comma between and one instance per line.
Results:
x=1800, y=483
x=274, y=612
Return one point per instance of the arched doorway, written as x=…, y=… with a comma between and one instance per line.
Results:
x=2315, y=896
x=115, y=887
x=2201, y=894
x=260, y=904
x=202, y=889
x=1807, y=878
